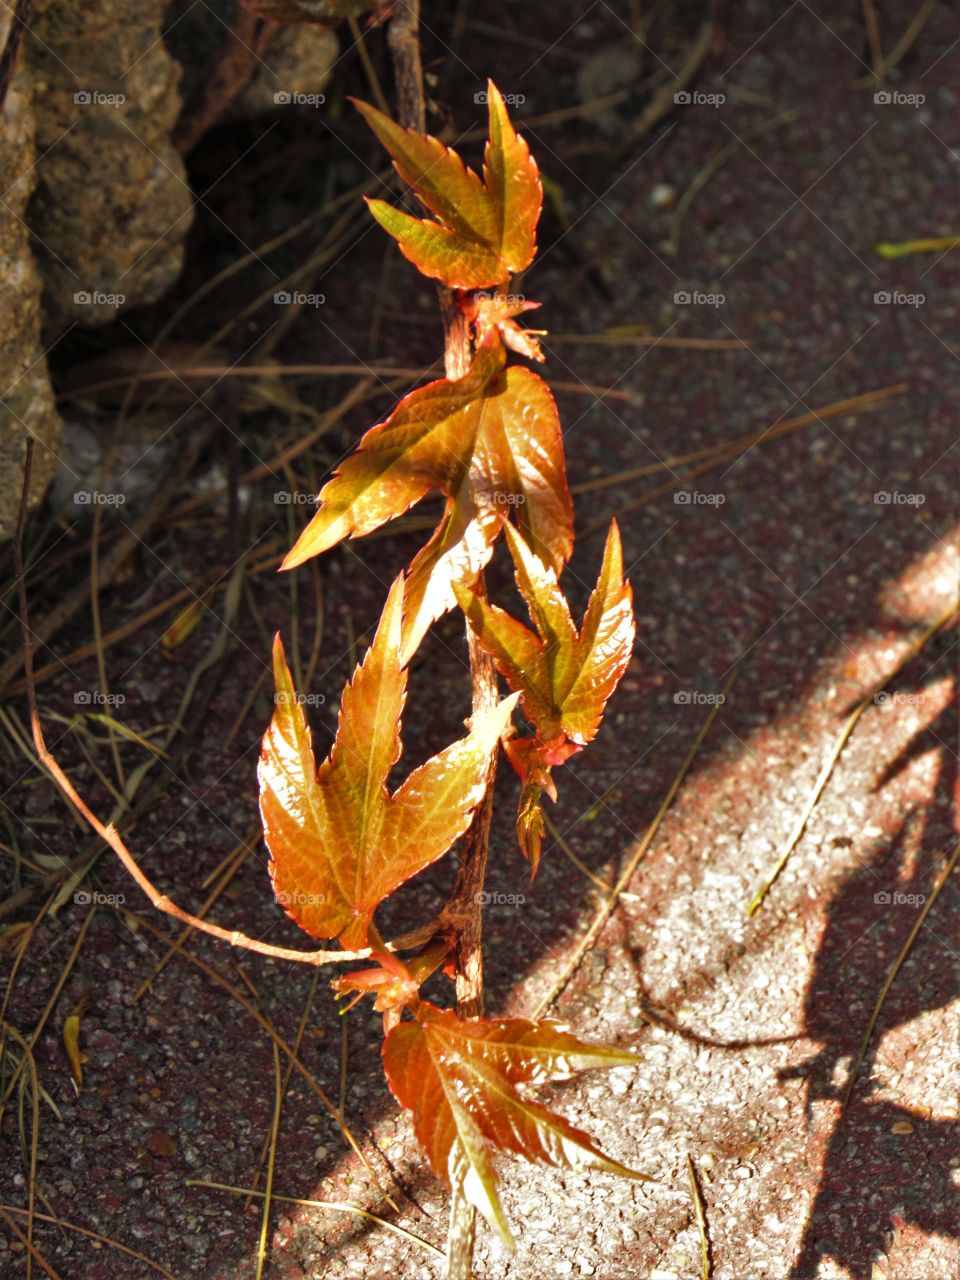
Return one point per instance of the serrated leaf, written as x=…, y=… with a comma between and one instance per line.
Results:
x=564, y=676
x=459, y=1078
x=339, y=841
x=485, y=230
x=490, y=442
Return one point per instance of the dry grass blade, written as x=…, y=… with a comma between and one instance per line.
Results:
x=895, y=969
x=298, y=1041
x=32, y=1254
x=903, y=45
x=713, y=165
x=55, y=996
x=725, y=448
x=275, y=1036
x=606, y=911
x=699, y=1210
x=560, y=839
x=271, y=1162
x=273, y=1135
x=109, y=833
x=648, y=340
x=234, y=861
x=716, y=459
x=335, y=1205
x=93, y=1235
x=830, y=763
x=11, y=1031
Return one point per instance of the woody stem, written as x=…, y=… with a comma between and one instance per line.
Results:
x=465, y=905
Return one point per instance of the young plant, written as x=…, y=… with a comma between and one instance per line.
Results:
x=340, y=842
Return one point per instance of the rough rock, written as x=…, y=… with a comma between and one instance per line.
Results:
x=26, y=398
x=112, y=205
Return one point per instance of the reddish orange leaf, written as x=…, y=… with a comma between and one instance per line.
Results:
x=339, y=841
x=490, y=441
x=396, y=984
x=459, y=1077
x=565, y=677
x=485, y=230
x=495, y=313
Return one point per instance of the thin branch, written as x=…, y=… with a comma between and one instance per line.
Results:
x=109, y=833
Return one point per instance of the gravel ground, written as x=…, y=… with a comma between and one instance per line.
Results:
x=785, y=562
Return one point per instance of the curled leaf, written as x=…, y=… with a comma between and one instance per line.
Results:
x=71, y=1042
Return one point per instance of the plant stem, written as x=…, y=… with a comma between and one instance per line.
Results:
x=465, y=905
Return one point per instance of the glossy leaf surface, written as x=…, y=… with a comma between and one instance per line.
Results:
x=491, y=443
x=339, y=841
x=485, y=229
x=459, y=1078
x=565, y=676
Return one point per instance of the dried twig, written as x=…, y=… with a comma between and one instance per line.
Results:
x=109, y=833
